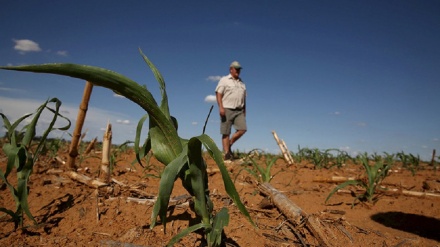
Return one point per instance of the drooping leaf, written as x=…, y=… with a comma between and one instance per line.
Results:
x=198, y=178
x=343, y=185
x=50, y=128
x=166, y=185
x=216, y=154
x=185, y=232
x=140, y=152
x=123, y=86
x=220, y=221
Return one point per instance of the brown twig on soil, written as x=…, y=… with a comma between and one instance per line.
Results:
x=85, y=180
x=333, y=179
x=133, y=189
x=297, y=234
x=395, y=192
x=266, y=212
x=182, y=200
x=59, y=160
x=345, y=232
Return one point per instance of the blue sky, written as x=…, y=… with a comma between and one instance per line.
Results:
x=360, y=76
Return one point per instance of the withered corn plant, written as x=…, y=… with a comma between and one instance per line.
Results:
x=262, y=173
x=374, y=175
x=22, y=155
x=182, y=158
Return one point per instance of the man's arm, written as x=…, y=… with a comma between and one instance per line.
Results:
x=244, y=104
x=219, y=97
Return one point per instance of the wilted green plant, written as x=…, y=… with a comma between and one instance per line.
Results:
x=376, y=157
x=409, y=161
x=389, y=158
x=318, y=158
x=374, y=174
x=182, y=158
x=300, y=155
x=22, y=156
x=338, y=159
x=261, y=173
x=52, y=147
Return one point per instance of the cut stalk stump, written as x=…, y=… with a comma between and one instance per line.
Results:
x=295, y=214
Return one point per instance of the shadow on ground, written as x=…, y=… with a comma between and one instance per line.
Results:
x=423, y=226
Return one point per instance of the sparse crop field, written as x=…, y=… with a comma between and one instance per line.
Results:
x=71, y=213
x=57, y=193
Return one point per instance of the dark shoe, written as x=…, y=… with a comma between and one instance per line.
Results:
x=228, y=156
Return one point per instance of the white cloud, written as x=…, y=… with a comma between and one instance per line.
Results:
x=194, y=123
x=118, y=95
x=126, y=121
x=210, y=99
x=214, y=78
x=26, y=45
x=336, y=113
x=63, y=53
x=10, y=90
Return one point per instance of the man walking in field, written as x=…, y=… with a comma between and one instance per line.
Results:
x=231, y=100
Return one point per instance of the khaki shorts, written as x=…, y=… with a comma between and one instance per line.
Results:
x=234, y=118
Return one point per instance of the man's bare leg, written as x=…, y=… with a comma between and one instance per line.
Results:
x=225, y=143
x=235, y=137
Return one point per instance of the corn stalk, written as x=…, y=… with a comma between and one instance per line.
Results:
x=73, y=150
x=106, y=146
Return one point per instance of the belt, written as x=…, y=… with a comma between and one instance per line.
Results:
x=236, y=109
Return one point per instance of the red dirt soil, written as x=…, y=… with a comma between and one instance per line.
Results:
x=67, y=210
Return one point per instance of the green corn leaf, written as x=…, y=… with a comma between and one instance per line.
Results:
x=221, y=220
x=140, y=152
x=160, y=146
x=50, y=128
x=343, y=185
x=14, y=216
x=22, y=190
x=198, y=178
x=30, y=128
x=166, y=185
x=6, y=124
x=185, y=232
x=216, y=154
x=12, y=128
x=10, y=187
x=11, y=153
x=161, y=81
x=259, y=169
x=123, y=86
x=17, y=156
